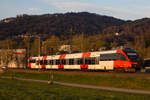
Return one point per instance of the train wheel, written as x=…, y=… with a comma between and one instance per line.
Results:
x=132, y=70
x=61, y=69
x=84, y=69
x=119, y=70
x=43, y=69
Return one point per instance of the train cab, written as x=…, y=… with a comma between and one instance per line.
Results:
x=133, y=58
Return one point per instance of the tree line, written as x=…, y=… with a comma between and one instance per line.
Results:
x=79, y=43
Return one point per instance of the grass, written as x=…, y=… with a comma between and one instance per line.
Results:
x=21, y=90
x=104, y=79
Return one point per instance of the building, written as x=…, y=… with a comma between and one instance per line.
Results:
x=66, y=48
x=13, y=58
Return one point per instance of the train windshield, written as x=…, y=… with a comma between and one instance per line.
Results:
x=132, y=55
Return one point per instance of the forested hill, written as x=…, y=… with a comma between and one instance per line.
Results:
x=91, y=30
x=58, y=24
x=133, y=28
x=74, y=23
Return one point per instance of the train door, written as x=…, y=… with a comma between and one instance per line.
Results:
x=97, y=63
x=37, y=66
x=61, y=62
x=83, y=65
x=32, y=63
x=106, y=62
x=85, y=58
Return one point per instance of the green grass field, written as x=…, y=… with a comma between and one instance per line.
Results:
x=21, y=90
x=131, y=81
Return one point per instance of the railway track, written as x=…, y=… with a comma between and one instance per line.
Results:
x=83, y=72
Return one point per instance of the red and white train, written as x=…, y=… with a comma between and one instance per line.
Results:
x=123, y=59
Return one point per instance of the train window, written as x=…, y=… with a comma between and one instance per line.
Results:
x=132, y=55
x=104, y=57
x=37, y=62
x=71, y=61
x=87, y=61
x=41, y=62
x=93, y=60
x=63, y=62
x=57, y=62
x=112, y=56
x=32, y=61
x=80, y=61
x=45, y=62
x=118, y=56
x=51, y=62
x=122, y=57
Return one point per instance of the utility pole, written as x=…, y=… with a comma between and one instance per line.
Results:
x=70, y=40
x=27, y=46
x=39, y=51
x=12, y=74
x=51, y=76
x=28, y=53
x=39, y=46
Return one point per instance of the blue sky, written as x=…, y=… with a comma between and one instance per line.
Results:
x=123, y=9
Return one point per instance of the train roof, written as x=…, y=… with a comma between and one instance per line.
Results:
x=80, y=55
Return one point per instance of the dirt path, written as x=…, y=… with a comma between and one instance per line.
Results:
x=84, y=86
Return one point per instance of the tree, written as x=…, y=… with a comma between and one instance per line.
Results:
x=52, y=43
x=142, y=45
x=6, y=56
x=113, y=44
x=96, y=42
x=7, y=47
x=80, y=43
x=26, y=43
x=35, y=47
x=7, y=44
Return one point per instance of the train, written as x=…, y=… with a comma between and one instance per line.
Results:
x=125, y=59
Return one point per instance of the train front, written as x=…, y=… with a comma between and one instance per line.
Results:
x=132, y=57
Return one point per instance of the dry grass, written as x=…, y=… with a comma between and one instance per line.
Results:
x=118, y=80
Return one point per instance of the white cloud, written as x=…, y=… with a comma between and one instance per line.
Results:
x=72, y=6
x=147, y=7
x=143, y=11
x=76, y=6
x=33, y=9
x=80, y=6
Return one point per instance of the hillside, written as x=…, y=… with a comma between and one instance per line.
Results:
x=99, y=31
x=137, y=27
x=58, y=24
